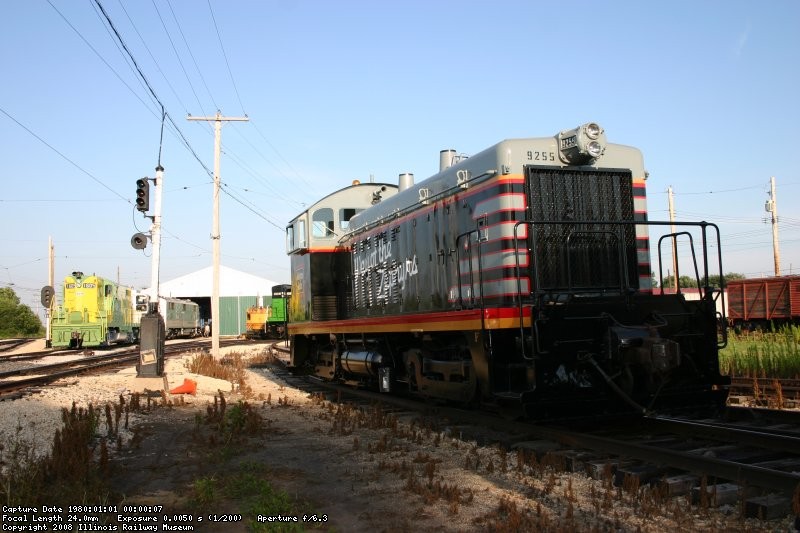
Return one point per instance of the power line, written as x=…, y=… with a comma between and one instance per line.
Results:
x=235, y=158
x=128, y=53
x=300, y=176
x=263, y=181
x=227, y=64
x=92, y=48
x=150, y=53
x=189, y=49
x=176, y=131
x=251, y=209
x=157, y=99
x=721, y=191
x=177, y=55
x=150, y=88
x=67, y=159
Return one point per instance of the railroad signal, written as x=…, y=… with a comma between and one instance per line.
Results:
x=142, y=301
x=47, y=296
x=143, y=195
x=139, y=241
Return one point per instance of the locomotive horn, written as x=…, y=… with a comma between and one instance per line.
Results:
x=139, y=241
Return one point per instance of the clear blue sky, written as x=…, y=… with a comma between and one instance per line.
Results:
x=344, y=90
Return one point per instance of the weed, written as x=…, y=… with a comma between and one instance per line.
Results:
x=205, y=491
x=507, y=517
x=774, y=354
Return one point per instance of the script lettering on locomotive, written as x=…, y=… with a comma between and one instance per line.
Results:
x=370, y=260
x=389, y=274
x=394, y=277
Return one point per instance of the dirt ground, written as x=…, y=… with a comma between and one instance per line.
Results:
x=358, y=470
x=369, y=472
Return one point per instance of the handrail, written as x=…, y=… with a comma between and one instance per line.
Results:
x=534, y=278
x=480, y=299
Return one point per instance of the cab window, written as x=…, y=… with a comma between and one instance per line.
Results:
x=296, y=236
x=345, y=215
x=322, y=223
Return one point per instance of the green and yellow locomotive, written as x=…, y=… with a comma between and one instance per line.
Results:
x=95, y=312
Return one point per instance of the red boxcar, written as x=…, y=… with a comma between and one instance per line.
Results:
x=759, y=301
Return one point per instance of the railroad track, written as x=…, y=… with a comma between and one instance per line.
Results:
x=769, y=392
x=744, y=457
x=8, y=345
x=732, y=461
x=13, y=386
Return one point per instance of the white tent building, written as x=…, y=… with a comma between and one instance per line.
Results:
x=237, y=292
x=231, y=283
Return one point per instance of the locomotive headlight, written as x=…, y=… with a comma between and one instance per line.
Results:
x=582, y=145
x=593, y=130
x=594, y=149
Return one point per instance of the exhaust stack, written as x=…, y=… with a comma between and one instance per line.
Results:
x=405, y=181
x=446, y=159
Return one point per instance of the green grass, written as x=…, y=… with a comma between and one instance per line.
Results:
x=773, y=354
x=252, y=493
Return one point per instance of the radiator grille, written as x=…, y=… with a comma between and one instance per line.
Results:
x=590, y=255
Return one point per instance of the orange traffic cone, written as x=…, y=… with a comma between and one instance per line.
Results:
x=189, y=387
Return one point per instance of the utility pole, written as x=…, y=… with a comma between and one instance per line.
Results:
x=48, y=339
x=215, y=235
x=772, y=208
x=674, y=239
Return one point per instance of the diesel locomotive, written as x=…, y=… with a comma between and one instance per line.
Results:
x=269, y=322
x=518, y=278
x=96, y=312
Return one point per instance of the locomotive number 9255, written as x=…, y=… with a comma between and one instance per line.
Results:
x=541, y=156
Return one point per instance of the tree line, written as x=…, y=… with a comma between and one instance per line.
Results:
x=691, y=281
x=17, y=319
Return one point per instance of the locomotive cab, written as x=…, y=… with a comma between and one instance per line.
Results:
x=320, y=263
